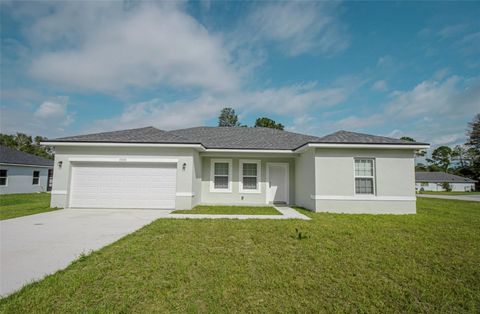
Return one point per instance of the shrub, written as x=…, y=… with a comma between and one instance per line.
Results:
x=446, y=186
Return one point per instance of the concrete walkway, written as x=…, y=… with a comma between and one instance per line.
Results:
x=472, y=198
x=286, y=213
x=37, y=245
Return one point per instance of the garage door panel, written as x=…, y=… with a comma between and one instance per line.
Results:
x=123, y=186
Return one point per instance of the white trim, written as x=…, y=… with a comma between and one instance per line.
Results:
x=259, y=175
x=287, y=180
x=379, y=146
x=58, y=192
x=373, y=177
x=274, y=151
x=197, y=146
x=362, y=198
x=23, y=165
x=122, y=159
x=212, y=176
x=33, y=177
x=6, y=179
x=187, y=194
x=222, y=150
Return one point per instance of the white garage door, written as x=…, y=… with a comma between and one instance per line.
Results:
x=123, y=186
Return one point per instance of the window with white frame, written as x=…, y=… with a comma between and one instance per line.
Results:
x=221, y=175
x=364, y=176
x=423, y=183
x=36, y=177
x=250, y=176
x=3, y=177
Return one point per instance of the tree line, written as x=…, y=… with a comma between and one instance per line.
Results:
x=27, y=144
x=463, y=160
x=228, y=118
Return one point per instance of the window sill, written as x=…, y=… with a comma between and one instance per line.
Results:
x=250, y=191
x=220, y=191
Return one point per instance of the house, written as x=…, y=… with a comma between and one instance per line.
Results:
x=150, y=168
x=432, y=181
x=24, y=173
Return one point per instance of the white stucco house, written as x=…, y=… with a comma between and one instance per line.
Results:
x=343, y=172
x=432, y=181
x=24, y=173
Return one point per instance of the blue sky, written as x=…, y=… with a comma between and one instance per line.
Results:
x=386, y=68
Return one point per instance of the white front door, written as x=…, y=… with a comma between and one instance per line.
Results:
x=99, y=185
x=277, y=183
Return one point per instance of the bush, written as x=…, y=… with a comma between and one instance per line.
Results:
x=446, y=186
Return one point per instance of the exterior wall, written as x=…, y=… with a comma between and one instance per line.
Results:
x=61, y=177
x=335, y=181
x=456, y=187
x=197, y=179
x=305, y=179
x=235, y=197
x=20, y=179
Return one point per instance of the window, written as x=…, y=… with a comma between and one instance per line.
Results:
x=3, y=177
x=423, y=183
x=221, y=171
x=36, y=177
x=364, y=176
x=250, y=176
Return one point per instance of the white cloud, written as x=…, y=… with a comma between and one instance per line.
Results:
x=436, y=98
x=298, y=27
x=452, y=30
x=144, y=47
x=289, y=100
x=379, y=86
x=51, y=109
x=358, y=123
x=433, y=110
x=385, y=61
x=50, y=118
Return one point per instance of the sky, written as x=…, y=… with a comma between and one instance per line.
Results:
x=384, y=68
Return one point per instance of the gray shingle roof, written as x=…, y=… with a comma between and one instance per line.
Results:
x=141, y=135
x=244, y=138
x=441, y=177
x=231, y=138
x=12, y=156
x=346, y=137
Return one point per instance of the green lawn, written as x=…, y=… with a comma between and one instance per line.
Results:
x=427, y=262
x=230, y=210
x=449, y=193
x=17, y=205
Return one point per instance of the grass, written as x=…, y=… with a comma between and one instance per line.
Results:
x=230, y=210
x=18, y=205
x=427, y=262
x=449, y=193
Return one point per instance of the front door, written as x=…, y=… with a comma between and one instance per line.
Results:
x=277, y=180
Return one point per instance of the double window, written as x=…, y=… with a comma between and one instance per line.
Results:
x=221, y=172
x=364, y=176
x=3, y=177
x=36, y=177
x=250, y=176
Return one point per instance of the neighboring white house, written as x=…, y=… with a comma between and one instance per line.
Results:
x=149, y=168
x=24, y=173
x=432, y=181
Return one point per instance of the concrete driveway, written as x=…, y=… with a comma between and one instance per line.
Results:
x=473, y=197
x=37, y=245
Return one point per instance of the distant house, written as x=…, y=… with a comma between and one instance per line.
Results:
x=432, y=181
x=24, y=173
